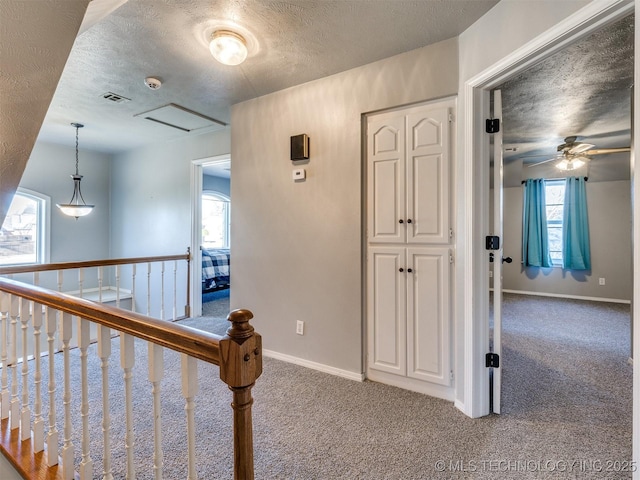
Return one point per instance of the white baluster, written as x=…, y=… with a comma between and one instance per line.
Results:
x=189, y=366
x=104, y=352
x=133, y=288
x=66, y=331
x=36, y=278
x=25, y=412
x=100, y=274
x=80, y=281
x=149, y=289
x=162, y=291
x=52, y=436
x=4, y=325
x=14, y=311
x=60, y=279
x=38, y=422
x=118, y=286
x=84, y=339
x=175, y=290
x=156, y=370
x=127, y=360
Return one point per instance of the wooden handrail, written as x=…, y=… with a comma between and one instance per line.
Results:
x=44, y=267
x=196, y=343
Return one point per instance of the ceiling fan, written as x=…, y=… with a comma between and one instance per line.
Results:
x=573, y=154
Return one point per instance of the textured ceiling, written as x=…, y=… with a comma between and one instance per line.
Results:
x=292, y=42
x=35, y=40
x=583, y=90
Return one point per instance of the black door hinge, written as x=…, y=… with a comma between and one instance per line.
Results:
x=492, y=360
x=492, y=242
x=493, y=125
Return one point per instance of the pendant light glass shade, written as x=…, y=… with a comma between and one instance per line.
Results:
x=76, y=207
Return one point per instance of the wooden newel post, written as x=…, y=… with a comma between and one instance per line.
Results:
x=240, y=366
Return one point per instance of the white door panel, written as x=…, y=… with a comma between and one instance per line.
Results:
x=428, y=335
x=387, y=304
x=386, y=172
x=497, y=264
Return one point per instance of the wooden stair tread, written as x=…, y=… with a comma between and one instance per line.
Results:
x=32, y=466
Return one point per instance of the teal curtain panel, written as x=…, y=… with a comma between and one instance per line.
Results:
x=575, y=233
x=535, y=244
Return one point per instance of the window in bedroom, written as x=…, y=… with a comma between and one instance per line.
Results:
x=25, y=231
x=554, y=199
x=216, y=214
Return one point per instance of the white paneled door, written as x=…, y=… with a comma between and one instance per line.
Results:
x=409, y=247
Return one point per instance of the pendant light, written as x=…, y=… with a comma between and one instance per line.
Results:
x=74, y=208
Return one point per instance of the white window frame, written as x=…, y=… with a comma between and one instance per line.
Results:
x=43, y=225
x=550, y=183
x=224, y=198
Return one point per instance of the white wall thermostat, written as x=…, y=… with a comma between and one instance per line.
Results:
x=299, y=174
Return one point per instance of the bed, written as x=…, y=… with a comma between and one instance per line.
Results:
x=215, y=268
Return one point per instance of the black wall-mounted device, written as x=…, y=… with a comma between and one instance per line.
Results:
x=300, y=147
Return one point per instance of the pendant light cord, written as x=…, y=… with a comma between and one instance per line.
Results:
x=77, y=128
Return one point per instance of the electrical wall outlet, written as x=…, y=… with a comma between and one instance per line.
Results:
x=601, y=281
x=300, y=327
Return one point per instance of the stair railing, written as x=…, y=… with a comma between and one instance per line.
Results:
x=29, y=434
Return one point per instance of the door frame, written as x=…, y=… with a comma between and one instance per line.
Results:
x=196, y=228
x=475, y=99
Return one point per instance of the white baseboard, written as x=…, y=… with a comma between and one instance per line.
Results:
x=338, y=372
x=562, y=295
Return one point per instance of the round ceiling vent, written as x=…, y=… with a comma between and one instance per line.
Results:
x=152, y=83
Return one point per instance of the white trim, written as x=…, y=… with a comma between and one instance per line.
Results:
x=562, y=295
x=338, y=372
x=419, y=386
x=109, y=294
x=475, y=319
x=196, y=229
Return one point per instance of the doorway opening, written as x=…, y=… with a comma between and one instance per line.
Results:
x=594, y=133
x=211, y=236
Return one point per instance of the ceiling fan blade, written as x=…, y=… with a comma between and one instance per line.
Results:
x=580, y=147
x=603, y=151
x=544, y=161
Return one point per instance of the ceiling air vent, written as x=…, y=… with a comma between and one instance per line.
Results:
x=114, y=97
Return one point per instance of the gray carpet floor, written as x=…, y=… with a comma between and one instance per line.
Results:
x=566, y=403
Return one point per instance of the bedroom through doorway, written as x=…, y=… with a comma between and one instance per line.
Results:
x=211, y=234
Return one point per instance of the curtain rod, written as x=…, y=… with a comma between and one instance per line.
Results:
x=586, y=179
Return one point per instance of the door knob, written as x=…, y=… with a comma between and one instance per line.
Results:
x=408, y=220
x=400, y=221
x=507, y=260
x=409, y=270
x=401, y=269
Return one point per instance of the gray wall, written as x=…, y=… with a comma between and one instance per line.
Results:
x=298, y=246
x=151, y=199
x=609, y=207
x=48, y=171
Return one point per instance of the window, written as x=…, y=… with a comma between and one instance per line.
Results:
x=24, y=233
x=215, y=220
x=554, y=199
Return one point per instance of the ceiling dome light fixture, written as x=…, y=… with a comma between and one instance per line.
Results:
x=227, y=47
x=74, y=208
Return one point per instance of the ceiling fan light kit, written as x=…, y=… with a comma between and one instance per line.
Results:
x=227, y=47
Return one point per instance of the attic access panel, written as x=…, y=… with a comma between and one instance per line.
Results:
x=182, y=118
